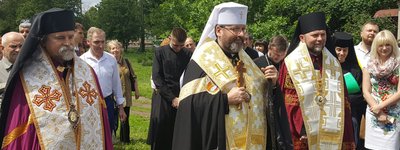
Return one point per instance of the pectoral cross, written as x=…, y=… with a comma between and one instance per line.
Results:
x=240, y=78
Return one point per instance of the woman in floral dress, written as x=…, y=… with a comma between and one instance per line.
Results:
x=381, y=91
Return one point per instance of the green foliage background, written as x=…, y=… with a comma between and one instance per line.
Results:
x=125, y=19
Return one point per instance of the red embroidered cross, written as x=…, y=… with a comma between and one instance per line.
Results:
x=87, y=92
x=47, y=98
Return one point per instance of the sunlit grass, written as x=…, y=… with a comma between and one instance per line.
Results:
x=142, y=72
x=138, y=132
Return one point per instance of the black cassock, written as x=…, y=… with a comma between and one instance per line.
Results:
x=168, y=66
x=280, y=121
x=201, y=118
x=251, y=52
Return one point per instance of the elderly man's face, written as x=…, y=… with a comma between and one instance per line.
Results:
x=13, y=46
x=189, y=44
x=59, y=45
x=97, y=43
x=24, y=32
x=231, y=37
x=315, y=40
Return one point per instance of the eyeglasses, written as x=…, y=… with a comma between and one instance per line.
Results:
x=235, y=30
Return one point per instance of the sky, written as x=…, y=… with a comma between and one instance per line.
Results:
x=89, y=3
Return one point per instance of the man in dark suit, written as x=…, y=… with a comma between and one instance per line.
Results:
x=248, y=41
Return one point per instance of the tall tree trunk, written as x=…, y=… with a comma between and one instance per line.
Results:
x=142, y=34
x=125, y=44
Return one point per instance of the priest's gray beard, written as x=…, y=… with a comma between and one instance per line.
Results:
x=67, y=52
x=236, y=46
x=316, y=49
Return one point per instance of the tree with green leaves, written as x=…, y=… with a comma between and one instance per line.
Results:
x=120, y=20
x=13, y=11
x=267, y=18
x=128, y=20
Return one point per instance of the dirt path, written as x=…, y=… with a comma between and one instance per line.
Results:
x=142, y=102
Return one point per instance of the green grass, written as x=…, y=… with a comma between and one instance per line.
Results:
x=143, y=73
x=138, y=131
x=141, y=109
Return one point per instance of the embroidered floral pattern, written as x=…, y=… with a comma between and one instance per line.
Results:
x=87, y=92
x=382, y=89
x=47, y=97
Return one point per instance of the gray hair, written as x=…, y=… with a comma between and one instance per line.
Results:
x=24, y=24
x=93, y=30
x=5, y=37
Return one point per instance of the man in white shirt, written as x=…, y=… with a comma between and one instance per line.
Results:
x=368, y=32
x=106, y=68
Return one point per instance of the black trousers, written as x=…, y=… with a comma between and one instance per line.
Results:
x=124, y=131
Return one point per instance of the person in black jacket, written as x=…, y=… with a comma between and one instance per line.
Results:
x=248, y=41
x=169, y=63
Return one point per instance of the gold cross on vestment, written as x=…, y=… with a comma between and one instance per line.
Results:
x=300, y=69
x=87, y=92
x=333, y=68
x=221, y=71
x=47, y=97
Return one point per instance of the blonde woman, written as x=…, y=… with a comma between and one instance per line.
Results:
x=381, y=91
x=128, y=83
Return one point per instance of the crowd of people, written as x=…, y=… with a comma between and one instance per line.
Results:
x=60, y=90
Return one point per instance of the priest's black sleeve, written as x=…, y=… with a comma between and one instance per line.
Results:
x=158, y=75
x=200, y=119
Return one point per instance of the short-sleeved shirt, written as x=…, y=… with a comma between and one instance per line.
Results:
x=362, y=55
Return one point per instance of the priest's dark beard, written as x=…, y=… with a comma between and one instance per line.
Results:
x=66, y=52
